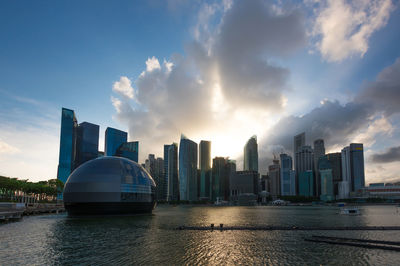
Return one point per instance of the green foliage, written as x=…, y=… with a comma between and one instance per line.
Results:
x=41, y=189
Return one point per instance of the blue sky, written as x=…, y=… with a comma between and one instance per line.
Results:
x=186, y=74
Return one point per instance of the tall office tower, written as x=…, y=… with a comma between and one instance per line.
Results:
x=250, y=159
x=87, y=143
x=335, y=159
x=304, y=162
x=299, y=141
x=220, y=179
x=287, y=180
x=325, y=169
x=150, y=164
x=67, y=145
x=159, y=173
x=129, y=150
x=306, y=183
x=205, y=167
x=187, y=169
x=344, y=186
x=165, y=193
x=113, y=139
x=319, y=150
x=231, y=170
x=275, y=178
x=173, y=180
x=357, y=166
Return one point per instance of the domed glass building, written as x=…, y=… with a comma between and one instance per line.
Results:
x=109, y=185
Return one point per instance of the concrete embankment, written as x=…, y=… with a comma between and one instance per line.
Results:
x=10, y=211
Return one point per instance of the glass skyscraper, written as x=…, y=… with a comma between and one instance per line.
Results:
x=319, y=150
x=304, y=161
x=205, y=168
x=188, y=169
x=173, y=180
x=67, y=144
x=325, y=170
x=129, y=150
x=165, y=186
x=288, y=181
x=113, y=139
x=357, y=166
x=306, y=183
x=87, y=143
x=250, y=159
x=220, y=179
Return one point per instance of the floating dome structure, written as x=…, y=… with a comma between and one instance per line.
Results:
x=109, y=185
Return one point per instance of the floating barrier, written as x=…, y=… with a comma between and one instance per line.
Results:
x=356, y=242
x=291, y=228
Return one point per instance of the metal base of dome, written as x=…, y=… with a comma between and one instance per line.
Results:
x=108, y=208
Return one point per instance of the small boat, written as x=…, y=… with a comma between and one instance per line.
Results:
x=220, y=202
x=350, y=211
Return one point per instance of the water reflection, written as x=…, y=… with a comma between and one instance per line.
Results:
x=151, y=239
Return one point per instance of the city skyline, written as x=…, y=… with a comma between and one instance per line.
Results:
x=336, y=88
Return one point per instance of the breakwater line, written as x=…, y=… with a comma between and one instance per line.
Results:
x=221, y=227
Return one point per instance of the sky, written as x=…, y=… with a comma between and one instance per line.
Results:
x=212, y=70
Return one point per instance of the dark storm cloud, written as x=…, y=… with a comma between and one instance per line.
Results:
x=335, y=123
x=384, y=93
x=391, y=155
x=249, y=35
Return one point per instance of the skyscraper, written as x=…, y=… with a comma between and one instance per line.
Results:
x=173, y=180
x=325, y=170
x=187, y=169
x=250, y=159
x=319, y=150
x=165, y=193
x=345, y=185
x=205, y=167
x=306, y=183
x=220, y=179
x=129, y=150
x=87, y=143
x=304, y=162
x=113, y=139
x=287, y=178
x=357, y=166
x=275, y=178
x=67, y=144
x=299, y=141
x=335, y=159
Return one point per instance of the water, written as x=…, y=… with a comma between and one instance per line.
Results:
x=152, y=240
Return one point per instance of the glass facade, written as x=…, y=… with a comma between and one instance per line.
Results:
x=67, y=144
x=188, y=169
x=129, y=150
x=87, y=143
x=287, y=180
x=326, y=185
x=220, y=179
x=205, y=167
x=173, y=180
x=165, y=191
x=113, y=139
x=357, y=166
x=250, y=161
x=306, y=184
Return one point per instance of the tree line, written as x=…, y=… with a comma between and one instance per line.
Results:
x=10, y=188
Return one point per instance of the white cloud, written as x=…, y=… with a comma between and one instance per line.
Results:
x=124, y=87
x=343, y=28
x=379, y=125
x=7, y=149
x=152, y=64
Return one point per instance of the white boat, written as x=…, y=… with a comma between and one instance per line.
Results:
x=220, y=202
x=350, y=211
x=279, y=202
